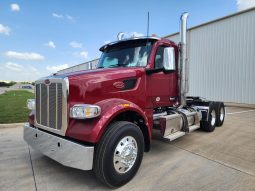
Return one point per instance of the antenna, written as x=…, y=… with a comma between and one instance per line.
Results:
x=148, y=23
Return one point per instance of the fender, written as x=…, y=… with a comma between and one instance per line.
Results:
x=91, y=130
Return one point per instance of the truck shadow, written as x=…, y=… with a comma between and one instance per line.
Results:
x=54, y=175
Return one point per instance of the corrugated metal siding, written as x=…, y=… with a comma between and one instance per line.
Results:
x=84, y=66
x=222, y=59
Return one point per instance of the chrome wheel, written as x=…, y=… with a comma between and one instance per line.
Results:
x=213, y=120
x=125, y=154
x=222, y=114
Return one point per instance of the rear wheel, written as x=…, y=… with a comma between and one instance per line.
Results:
x=220, y=113
x=119, y=154
x=210, y=123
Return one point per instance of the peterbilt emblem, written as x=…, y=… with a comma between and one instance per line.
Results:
x=47, y=82
x=119, y=85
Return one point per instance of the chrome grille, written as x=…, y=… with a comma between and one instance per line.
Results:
x=51, y=104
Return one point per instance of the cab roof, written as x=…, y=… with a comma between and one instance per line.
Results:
x=129, y=39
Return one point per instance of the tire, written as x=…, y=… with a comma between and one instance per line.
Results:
x=220, y=113
x=120, y=137
x=210, y=123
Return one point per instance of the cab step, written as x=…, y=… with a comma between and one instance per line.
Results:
x=175, y=135
x=178, y=134
x=193, y=128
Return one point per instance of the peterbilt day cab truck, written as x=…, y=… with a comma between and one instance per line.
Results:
x=102, y=119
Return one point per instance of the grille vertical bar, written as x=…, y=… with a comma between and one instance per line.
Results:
x=38, y=100
x=44, y=105
x=56, y=105
x=52, y=106
x=59, y=104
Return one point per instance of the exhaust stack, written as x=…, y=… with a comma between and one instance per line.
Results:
x=183, y=61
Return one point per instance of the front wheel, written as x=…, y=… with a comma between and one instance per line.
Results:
x=119, y=154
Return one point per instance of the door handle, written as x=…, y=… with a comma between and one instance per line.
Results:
x=172, y=98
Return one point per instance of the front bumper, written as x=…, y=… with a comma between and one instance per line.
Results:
x=64, y=151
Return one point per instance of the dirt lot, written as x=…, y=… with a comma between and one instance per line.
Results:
x=222, y=160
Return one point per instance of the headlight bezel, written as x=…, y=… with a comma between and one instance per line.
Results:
x=84, y=111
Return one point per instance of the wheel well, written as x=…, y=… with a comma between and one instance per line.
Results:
x=137, y=119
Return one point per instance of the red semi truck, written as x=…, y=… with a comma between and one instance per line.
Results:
x=102, y=119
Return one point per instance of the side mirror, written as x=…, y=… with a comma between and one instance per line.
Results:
x=169, y=58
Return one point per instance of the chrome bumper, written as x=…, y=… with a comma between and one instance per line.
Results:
x=66, y=152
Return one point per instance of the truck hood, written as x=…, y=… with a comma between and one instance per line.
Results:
x=105, y=73
x=101, y=71
x=91, y=86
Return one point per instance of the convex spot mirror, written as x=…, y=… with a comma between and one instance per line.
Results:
x=169, y=58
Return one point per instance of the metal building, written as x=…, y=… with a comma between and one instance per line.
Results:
x=84, y=66
x=222, y=58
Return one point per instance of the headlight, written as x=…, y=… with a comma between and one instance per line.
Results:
x=31, y=104
x=84, y=111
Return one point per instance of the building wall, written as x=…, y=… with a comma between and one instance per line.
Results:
x=222, y=58
x=84, y=66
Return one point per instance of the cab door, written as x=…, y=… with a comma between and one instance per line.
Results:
x=162, y=79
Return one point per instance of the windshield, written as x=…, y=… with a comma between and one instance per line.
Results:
x=126, y=54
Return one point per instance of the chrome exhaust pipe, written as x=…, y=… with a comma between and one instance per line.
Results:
x=183, y=61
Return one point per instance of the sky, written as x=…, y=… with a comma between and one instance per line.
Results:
x=38, y=38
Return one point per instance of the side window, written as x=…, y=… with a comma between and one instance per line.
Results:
x=165, y=58
x=159, y=57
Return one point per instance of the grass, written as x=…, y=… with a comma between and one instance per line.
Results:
x=13, y=107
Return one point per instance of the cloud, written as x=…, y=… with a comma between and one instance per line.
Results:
x=69, y=17
x=57, y=15
x=24, y=55
x=50, y=44
x=245, y=4
x=16, y=72
x=34, y=70
x=74, y=44
x=84, y=54
x=15, y=7
x=57, y=68
x=4, y=29
x=60, y=16
x=14, y=67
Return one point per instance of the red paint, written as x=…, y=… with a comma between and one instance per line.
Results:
x=31, y=118
x=92, y=129
x=103, y=87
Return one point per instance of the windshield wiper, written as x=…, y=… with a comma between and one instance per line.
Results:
x=100, y=67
